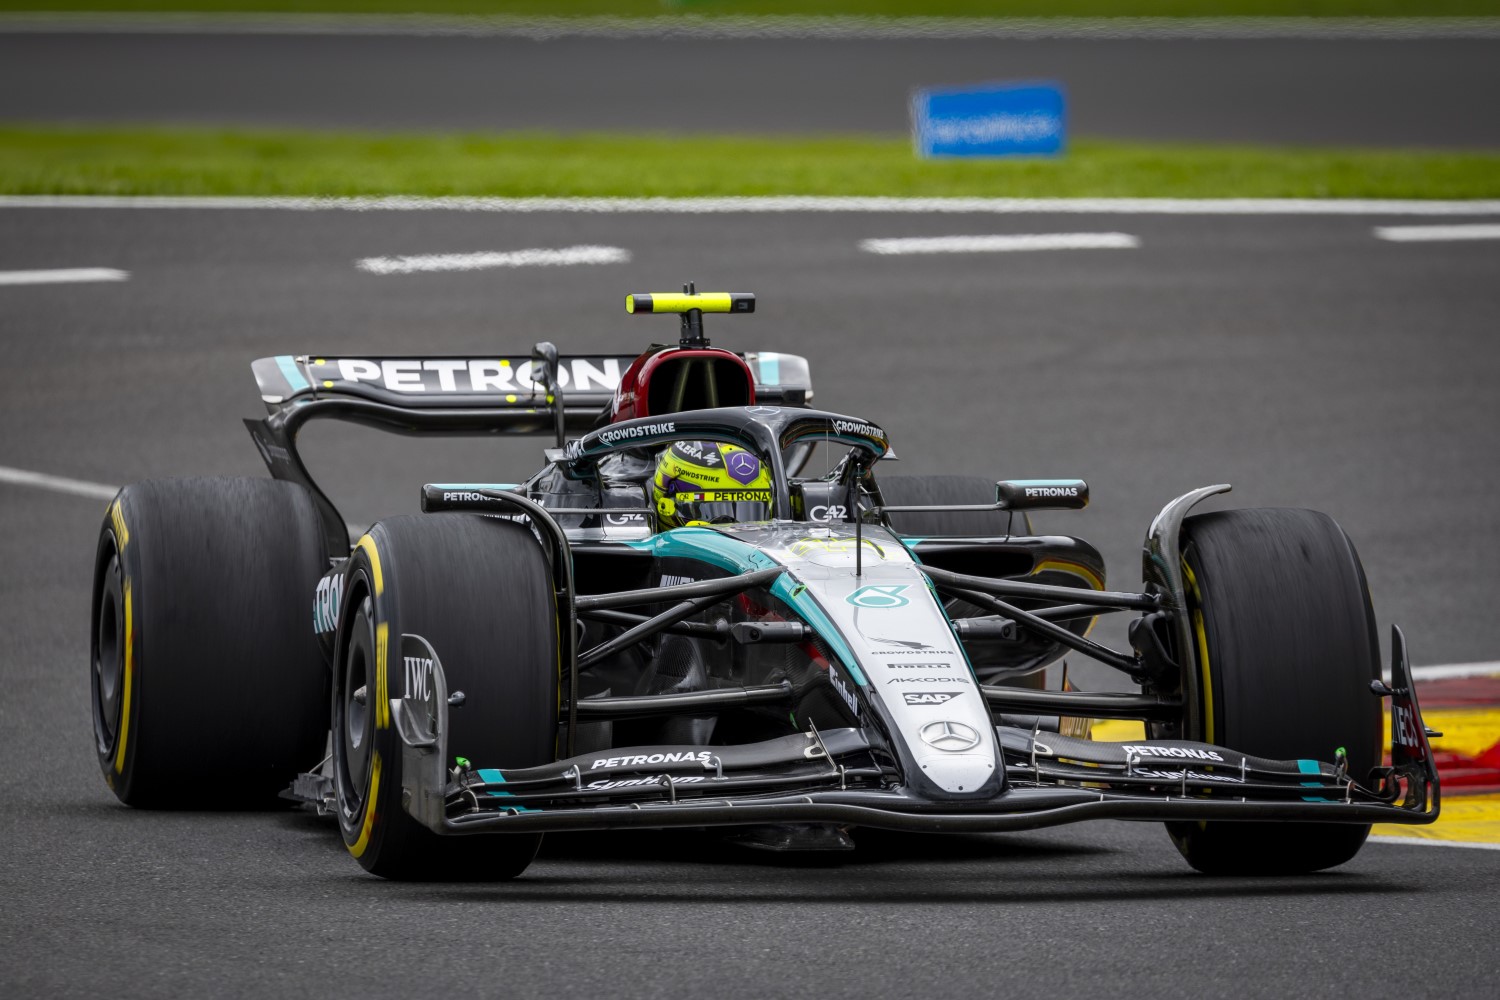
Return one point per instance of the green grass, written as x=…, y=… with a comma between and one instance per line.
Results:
x=888, y=8
x=38, y=160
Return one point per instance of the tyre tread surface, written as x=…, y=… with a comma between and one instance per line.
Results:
x=1292, y=646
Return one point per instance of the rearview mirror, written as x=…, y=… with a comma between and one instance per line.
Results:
x=1042, y=494
x=544, y=370
x=544, y=366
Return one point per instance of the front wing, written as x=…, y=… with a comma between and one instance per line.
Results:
x=847, y=776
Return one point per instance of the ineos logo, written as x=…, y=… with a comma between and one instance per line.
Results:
x=1404, y=726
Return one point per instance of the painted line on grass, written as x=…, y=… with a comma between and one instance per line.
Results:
x=559, y=257
x=60, y=276
x=779, y=203
x=1423, y=234
x=57, y=484
x=1000, y=244
x=700, y=26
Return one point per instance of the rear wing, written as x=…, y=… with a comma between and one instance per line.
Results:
x=503, y=384
x=455, y=396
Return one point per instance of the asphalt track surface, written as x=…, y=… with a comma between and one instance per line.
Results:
x=1298, y=358
x=1435, y=93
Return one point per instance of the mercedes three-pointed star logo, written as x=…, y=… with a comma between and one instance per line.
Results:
x=951, y=737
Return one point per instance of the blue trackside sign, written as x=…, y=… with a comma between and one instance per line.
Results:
x=994, y=119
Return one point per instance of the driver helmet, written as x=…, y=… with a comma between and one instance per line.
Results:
x=704, y=482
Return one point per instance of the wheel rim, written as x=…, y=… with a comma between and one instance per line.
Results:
x=107, y=669
x=352, y=723
x=356, y=713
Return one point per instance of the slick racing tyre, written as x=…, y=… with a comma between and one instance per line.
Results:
x=1286, y=651
x=207, y=683
x=479, y=590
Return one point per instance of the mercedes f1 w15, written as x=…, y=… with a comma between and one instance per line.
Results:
x=669, y=625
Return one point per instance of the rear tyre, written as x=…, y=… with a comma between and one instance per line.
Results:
x=207, y=683
x=920, y=491
x=1287, y=649
x=479, y=590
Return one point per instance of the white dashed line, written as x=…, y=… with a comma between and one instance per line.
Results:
x=62, y=276
x=1422, y=234
x=779, y=204
x=1001, y=244
x=1430, y=842
x=57, y=484
x=479, y=261
x=712, y=26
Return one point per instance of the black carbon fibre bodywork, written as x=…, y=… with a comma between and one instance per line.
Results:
x=752, y=673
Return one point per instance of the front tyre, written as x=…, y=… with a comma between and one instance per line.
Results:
x=479, y=590
x=1286, y=652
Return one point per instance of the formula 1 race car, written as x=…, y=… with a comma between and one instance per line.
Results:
x=669, y=625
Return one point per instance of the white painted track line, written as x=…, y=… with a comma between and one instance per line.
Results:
x=1423, y=234
x=1430, y=842
x=782, y=204
x=479, y=261
x=1001, y=244
x=1452, y=671
x=57, y=484
x=1449, y=671
x=707, y=26
x=62, y=276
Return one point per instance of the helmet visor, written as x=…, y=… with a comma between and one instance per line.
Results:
x=725, y=512
x=723, y=506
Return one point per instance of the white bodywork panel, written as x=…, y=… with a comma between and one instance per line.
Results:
x=899, y=635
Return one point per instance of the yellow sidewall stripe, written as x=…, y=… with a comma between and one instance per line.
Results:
x=368, y=545
x=382, y=686
x=122, y=537
x=371, y=799
x=1206, y=678
x=1073, y=568
x=382, y=699
x=129, y=672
